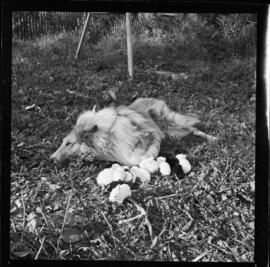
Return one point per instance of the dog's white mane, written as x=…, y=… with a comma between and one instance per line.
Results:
x=103, y=119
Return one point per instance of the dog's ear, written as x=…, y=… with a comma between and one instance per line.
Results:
x=91, y=130
x=79, y=128
x=153, y=114
x=88, y=134
x=85, y=132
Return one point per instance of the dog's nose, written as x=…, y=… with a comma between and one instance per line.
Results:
x=53, y=160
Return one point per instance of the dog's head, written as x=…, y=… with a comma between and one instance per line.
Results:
x=73, y=144
x=69, y=147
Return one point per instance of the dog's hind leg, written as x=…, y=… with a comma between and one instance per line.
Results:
x=178, y=129
x=202, y=134
x=175, y=124
x=170, y=122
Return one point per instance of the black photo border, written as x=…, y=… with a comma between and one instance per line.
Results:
x=262, y=142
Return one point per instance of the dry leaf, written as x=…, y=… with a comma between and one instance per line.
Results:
x=71, y=235
x=187, y=226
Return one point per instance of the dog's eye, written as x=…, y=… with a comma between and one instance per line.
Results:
x=68, y=143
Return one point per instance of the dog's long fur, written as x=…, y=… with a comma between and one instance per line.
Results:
x=125, y=134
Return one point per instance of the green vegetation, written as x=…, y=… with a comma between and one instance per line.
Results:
x=208, y=215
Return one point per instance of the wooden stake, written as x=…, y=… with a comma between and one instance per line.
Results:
x=82, y=35
x=129, y=45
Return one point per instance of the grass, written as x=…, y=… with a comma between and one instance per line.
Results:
x=208, y=215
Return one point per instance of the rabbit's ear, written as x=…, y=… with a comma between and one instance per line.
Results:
x=94, y=108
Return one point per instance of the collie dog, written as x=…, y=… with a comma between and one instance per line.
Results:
x=125, y=134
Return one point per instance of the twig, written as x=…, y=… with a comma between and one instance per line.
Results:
x=217, y=247
x=109, y=225
x=58, y=241
x=149, y=226
x=131, y=219
x=41, y=167
x=37, y=188
x=157, y=237
x=77, y=94
x=166, y=73
x=240, y=211
x=41, y=246
x=252, y=22
x=125, y=247
x=225, y=171
x=173, y=75
x=139, y=208
x=12, y=223
x=22, y=199
x=69, y=198
x=201, y=256
x=143, y=213
x=40, y=210
x=172, y=195
x=23, y=204
x=223, y=250
x=41, y=229
x=187, y=213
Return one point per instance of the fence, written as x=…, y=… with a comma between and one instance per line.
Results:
x=29, y=25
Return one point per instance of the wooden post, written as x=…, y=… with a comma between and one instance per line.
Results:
x=82, y=35
x=129, y=46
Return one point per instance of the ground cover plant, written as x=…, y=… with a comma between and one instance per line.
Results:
x=206, y=215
